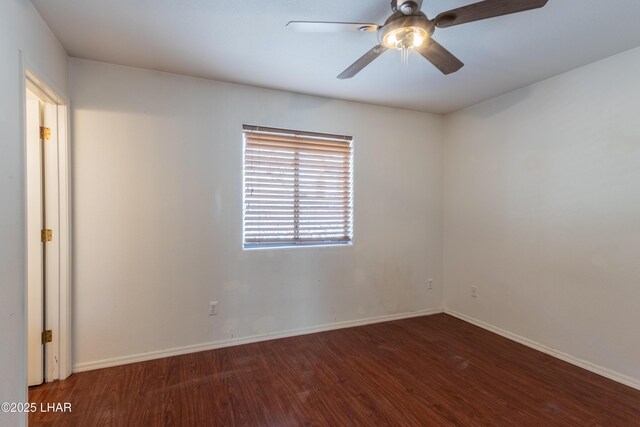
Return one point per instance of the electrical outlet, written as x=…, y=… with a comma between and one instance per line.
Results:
x=213, y=308
x=474, y=291
x=430, y=284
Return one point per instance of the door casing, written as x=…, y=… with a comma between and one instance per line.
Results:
x=35, y=247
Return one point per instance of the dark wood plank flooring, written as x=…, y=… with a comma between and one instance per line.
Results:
x=426, y=371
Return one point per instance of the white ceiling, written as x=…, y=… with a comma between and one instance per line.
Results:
x=245, y=41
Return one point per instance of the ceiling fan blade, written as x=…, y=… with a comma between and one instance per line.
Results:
x=485, y=9
x=364, y=60
x=331, y=27
x=443, y=60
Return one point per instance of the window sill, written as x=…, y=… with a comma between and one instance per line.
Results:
x=325, y=245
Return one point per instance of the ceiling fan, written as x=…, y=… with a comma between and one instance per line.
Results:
x=409, y=28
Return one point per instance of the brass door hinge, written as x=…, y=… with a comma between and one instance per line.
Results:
x=45, y=133
x=47, y=336
x=46, y=235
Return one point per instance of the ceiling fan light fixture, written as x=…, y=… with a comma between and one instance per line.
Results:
x=408, y=28
x=405, y=38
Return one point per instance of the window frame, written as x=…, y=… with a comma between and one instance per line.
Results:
x=350, y=182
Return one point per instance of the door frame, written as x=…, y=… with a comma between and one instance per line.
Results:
x=57, y=308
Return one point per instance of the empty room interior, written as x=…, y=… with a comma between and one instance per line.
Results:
x=287, y=213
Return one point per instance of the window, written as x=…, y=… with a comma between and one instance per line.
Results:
x=297, y=188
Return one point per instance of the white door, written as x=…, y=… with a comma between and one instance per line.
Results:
x=43, y=267
x=35, y=256
x=51, y=222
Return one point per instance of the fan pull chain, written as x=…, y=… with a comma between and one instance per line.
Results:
x=405, y=56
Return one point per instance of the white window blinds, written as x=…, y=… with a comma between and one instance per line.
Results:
x=297, y=188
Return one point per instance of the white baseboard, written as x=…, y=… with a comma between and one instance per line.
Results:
x=605, y=372
x=123, y=360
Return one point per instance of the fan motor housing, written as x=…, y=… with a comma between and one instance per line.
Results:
x=409, y=7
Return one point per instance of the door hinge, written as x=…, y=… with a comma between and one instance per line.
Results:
x=47, y=336
x=46, y=235
x=45, y=133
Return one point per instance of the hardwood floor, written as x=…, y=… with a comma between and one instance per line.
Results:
x=434, y=370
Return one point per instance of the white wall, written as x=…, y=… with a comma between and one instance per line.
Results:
x=542, y=213
x=158, y=209
x=21, y=29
